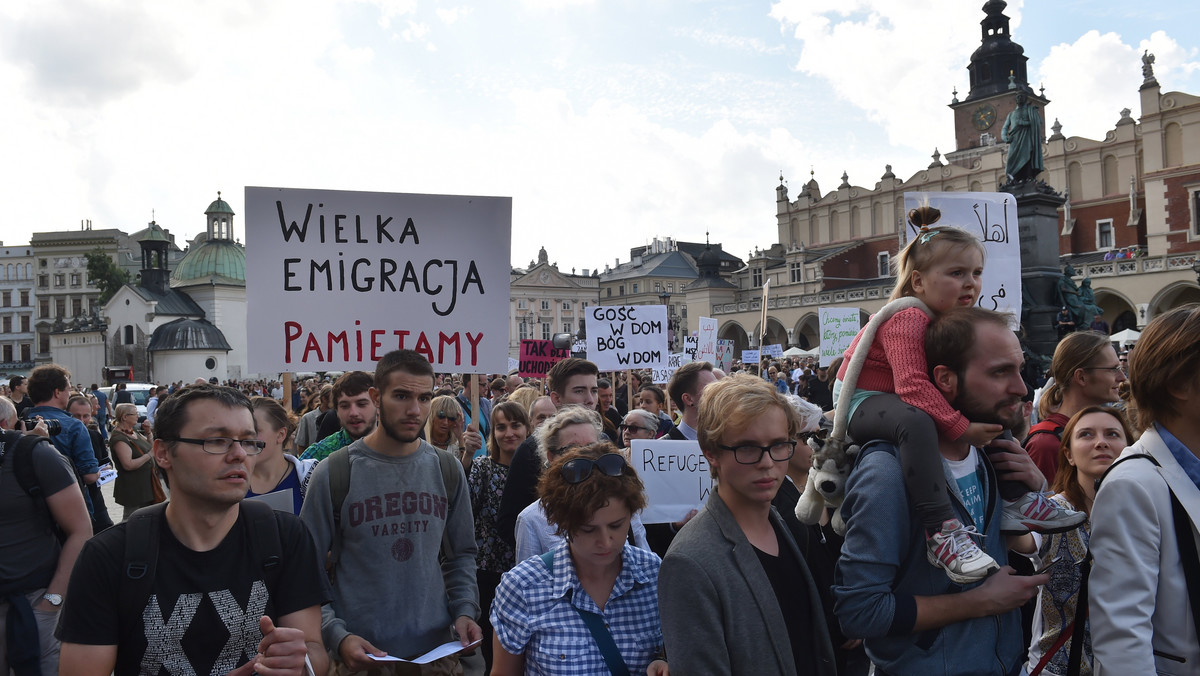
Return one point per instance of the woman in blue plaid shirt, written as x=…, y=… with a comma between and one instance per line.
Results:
x=539, y=613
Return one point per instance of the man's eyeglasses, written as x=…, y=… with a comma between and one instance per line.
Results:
x=580, y=469
x=221, y=445
x=634, y=428
x=752, y=455
x=1119, y=368
x=442, y=415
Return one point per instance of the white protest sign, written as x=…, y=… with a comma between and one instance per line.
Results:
x=513, y=364
x=579, y=348
x=750, y=357
x=676, y=360
x=992, y=218
x=690, y=345
x=337, y=279
x=706, y=340
x=724, y=354
x=771, y=350
x=675, y=474
x=839, y=325
x=623, y=337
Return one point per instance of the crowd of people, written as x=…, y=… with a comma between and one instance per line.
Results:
x=370, y=519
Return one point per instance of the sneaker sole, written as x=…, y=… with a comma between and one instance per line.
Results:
x=959, y=578
x=1034, y=527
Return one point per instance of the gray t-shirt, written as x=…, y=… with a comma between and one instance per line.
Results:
x=28, y=550
x=389, y=587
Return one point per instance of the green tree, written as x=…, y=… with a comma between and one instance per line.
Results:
x=107, y=275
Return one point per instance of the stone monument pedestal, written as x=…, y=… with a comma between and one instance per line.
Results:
x=1037, y=225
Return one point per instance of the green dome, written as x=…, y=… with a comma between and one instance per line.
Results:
x=153, y=233
x=219, y=206
x=211, y=260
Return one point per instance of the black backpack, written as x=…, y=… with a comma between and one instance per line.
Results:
x=19, y=447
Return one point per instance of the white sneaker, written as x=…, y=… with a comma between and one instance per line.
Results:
x=1035, y=512
x=955, y=551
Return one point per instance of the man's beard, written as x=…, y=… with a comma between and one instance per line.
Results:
x=977, y=411
x=386, y=424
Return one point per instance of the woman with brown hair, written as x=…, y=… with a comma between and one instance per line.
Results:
x=590, y=602
x=274, y=468
x=136, y=485
x=1092, y=440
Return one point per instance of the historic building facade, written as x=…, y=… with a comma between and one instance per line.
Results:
x=1131, y=221
x=17, y=302
x=544, y=301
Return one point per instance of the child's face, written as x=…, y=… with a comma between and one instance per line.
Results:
x=955, y=280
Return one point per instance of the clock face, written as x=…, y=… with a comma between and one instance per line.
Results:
x=983, y=117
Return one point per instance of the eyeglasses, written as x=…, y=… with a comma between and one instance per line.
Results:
x=580, y=469
x=634, y=428
x=751, y=455
x=1119, y=368
x=442, y=415
x=221, y=445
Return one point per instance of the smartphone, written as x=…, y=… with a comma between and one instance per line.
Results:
x=1047, y=567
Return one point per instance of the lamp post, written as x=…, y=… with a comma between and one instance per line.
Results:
x=672, y=320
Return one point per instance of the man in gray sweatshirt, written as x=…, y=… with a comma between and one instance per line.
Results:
x=391, y=594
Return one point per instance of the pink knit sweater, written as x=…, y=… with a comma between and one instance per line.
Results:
x=896, y=364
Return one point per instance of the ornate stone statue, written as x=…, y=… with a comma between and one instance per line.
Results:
x=1023, y=132
x=1087, y=300
x=1147, y=66
x=1068, y=295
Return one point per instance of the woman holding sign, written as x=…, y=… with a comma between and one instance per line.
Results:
x=588, y=606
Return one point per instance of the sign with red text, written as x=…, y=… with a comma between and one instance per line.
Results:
x=706, y=340
x=537, y=356
x=337, y=279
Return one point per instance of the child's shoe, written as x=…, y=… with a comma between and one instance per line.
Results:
x=1035, y=512
x=954, y=550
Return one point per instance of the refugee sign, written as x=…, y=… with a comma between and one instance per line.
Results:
x=839, y=325
x=337, y=279
x=675, y=474
x=992, y=218
x=537, y=356
x=623, y=337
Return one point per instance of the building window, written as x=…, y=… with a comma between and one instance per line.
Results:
x=796, y=273
x=566, y=305
x=567, y=327
x=885, y=264
x=128, y=335
x=658, y=287
x=74, y=279
x=545, y=305
x=586, y=304
x=635, y=287
x=43, y=343
x=24, y=323
x=608, y=292
x=76, y=307
x=6, y=299
x=60, y=279
x=621, y=290
x=43, y=281
x=524, y=330
x=8, y=354
x=756, y=277
x=7, y=323
x=1104, y=234
x=44, y=308
x=1195, y=214
x=60, y=308
x=521, y=304
x=670, y=287
x=24, y=298
x=545, y=330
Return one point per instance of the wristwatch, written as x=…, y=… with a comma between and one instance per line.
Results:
x=54, y=599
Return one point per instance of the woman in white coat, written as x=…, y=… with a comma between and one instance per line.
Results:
x=1141, y=619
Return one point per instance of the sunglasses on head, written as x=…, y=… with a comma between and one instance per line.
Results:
x=580, y=469
x=442, y=415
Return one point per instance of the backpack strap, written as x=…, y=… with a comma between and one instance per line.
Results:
x=450, y=467
x=1044, y=427
x=20, y=448
x=141, y=558
x=339, y=487
x=263, y=532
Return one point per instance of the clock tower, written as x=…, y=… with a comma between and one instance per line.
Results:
x=997, y=71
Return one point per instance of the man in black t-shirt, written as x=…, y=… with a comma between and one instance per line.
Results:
x=214, y=603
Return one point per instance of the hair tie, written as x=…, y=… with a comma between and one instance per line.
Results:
x=925, y=234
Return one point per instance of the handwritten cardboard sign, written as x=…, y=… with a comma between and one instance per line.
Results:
x=992, y=218
x=675, y=474
x=706, y=340
x=627, y=336
x=750, y=357
x=662, y=376
x=839, y=325
x=691, y=344
x=771, y=351
x=537, y=356
x=336, y=279
x=724, y=354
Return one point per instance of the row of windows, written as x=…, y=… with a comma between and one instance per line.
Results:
x=7, y=323
x=6, y=298
x=17, y=271
x=523, y=304
x=60, y=307
x=60, y=280
x=796, y=271
x=8, y=353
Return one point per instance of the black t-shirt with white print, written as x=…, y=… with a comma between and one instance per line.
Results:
x=202, y=616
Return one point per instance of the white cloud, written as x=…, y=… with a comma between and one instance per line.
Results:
x=452, y=14
x=556, y=5
x=1090, y=80
x=739, y=42
x=390, y=9
x=897, y=60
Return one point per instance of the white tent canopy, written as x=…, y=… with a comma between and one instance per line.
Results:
x=1125, y=337
x=797, y=352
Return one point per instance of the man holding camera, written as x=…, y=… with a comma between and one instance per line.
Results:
x=34, y=566
x=50, y=390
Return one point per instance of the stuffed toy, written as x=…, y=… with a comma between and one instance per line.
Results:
x=833, y=457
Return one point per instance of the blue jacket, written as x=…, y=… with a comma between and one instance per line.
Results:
x=73, y=441
x=884, y=566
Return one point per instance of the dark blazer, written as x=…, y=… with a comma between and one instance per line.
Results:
x=719, y=612
x=675, y=434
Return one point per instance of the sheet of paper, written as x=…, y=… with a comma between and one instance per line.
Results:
x=106, y=475
x=444, y=650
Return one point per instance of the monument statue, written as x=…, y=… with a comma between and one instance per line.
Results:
x=1081, y=303
x=1023, y=132
x=1087, y=299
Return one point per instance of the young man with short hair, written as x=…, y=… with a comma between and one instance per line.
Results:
x=50, y=390
x=685, y=387
x=571, y=381
x=212, y=594
x=80, y=408
x=356, y=414
x=391, y=595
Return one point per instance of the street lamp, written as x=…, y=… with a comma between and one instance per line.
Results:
x=672, y=320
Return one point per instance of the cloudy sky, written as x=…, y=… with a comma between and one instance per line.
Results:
x=607, y=121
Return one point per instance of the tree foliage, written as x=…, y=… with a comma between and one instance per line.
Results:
x=106, y=274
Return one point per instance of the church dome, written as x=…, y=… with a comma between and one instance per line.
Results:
x=188, y=334
x=211, y=260
x=219, y=206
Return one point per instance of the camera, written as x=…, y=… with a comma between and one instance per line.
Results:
x=52, y=426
